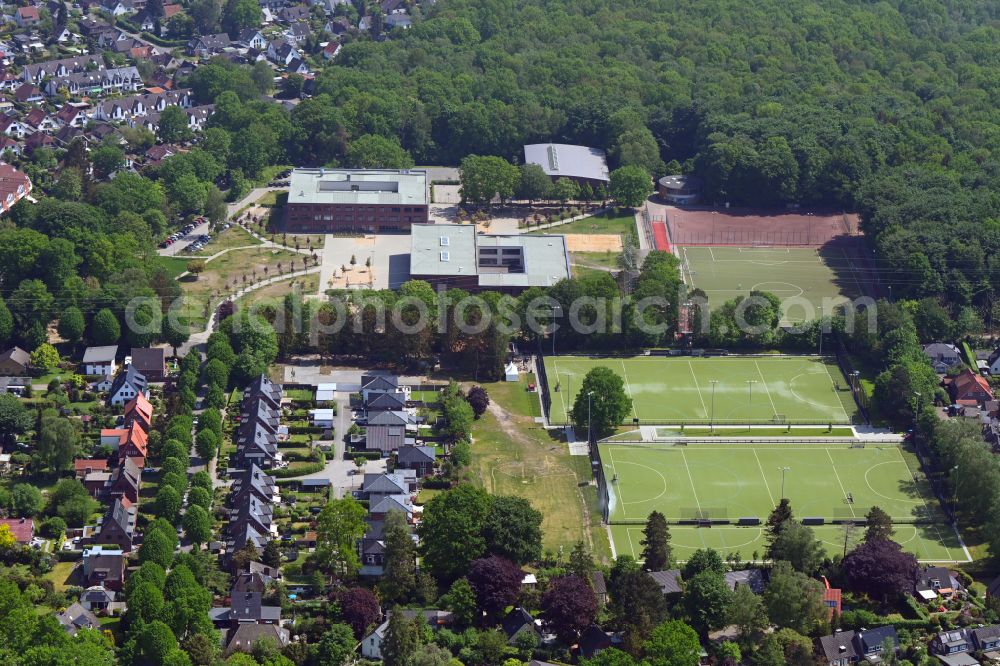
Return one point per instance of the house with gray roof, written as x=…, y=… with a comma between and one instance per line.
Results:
x=668, y=581
x=76, y=617
x=420, y=459
x=100, y=361
x=848, y=647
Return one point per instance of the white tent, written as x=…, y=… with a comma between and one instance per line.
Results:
x=510, y=372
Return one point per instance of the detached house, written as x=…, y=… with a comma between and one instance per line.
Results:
x=850, y=647
x=151, y=362
x=968, y=388
x=420, y=459
x=942, y=356
x=14, y=361
x=26, y=17
x=253, y=39
x=208, y=45
x=100, y=361
x=126, y=386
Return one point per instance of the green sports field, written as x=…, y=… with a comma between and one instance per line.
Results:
x=674, y=390
x=805, y=279
x=729, y=482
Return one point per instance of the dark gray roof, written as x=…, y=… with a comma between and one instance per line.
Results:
x=516, y=620
x=839, y=646
x=100, y=354
x=416, y=454
x=77, y=617
x=872, y=638
x=669, y=581
x=379, y=382
x=987, y=632
x=600, y=586
x=130, y=376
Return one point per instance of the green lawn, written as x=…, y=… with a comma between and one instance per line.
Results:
x=747, y=431
x=729, y=482
x=268, y=173
x=512, y=455
x=226, y=240
x=678, y=390
x=61, y=576
x=613, y=222
x=172, y=265
x=805, y=279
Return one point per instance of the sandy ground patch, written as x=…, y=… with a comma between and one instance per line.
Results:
x=592, y=242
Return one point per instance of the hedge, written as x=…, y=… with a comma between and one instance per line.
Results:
x=436, y=483
x=364, y=455
x=69, y=555
x=289, y=472
x=304, y=430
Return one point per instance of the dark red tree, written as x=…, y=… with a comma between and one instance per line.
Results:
x=496, y=582
x=359, y=608
x=568, y=607
x=478, y=399
x=880, y=569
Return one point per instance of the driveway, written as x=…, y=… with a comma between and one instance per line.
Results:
x=344, y=475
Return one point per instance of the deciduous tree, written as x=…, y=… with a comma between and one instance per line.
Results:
x=513, y=529
x=568, y=607
x=608, y=403
x=881, y=569
x=496, y=582
x=672, y=643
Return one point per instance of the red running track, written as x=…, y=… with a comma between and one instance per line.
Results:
x=660, y=236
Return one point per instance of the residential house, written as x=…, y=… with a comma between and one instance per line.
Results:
x=76, y=617
x=100, y=361
x=252, y=39
x=126, y=386
x=97, y=598
x=381, y=508
x=298, y=32
x=23, y=529
x=293, y=14
x=331, y=49
x=951, y=642
x=593, y=641
x=281, y=52
x=118, y=525
x=208, y=45
x=11, y=126
x=96, y=483
x=124, y=481
x=14, y=186
x=337, y=26
x=752, y=578
x=372, y=385
x=519, y=621
x=832, y=598
x=151, y=362
x=933, y=582
x=198, y=116
x=386, y=431
x=264, y=388
x=139, y=411
x=600, y=587
x=420, y=459
x=116, y=7
x=71, y=115
x=669, y=581
x=38, y=140
x=133, y=444
x=986, y=639
x=27, y=17
x=14, y=361
x=84, y=466
x=297, y=66
x=256, y=445
x=849, y=647
x=27, y=93
x=968, y=388
x=7, y=143
x=371, y=645
x=244, y=638
x=94, y=83
x=252, y=481
x=398, y=21
x=375, y=487
x=942, y=356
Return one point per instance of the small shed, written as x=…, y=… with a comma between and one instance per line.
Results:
x=510, y=372
x=324, y=392
x=322, y=418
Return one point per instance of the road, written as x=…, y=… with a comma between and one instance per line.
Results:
x=255, y=193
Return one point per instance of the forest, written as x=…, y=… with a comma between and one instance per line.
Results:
x=886, y=108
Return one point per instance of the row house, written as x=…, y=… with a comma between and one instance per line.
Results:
x=38, y=72
x=97, y=82
x=248, y=619
x=197, y=116
x=104, y=566
x=281, y=52
x=141, y=105
x=127, y=385
x=117, y=527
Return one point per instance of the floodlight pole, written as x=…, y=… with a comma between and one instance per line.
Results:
x=750, y=383
x=590, y=431
x=783, y=470
x=954, y=497
x=711, y=419
x=821, y=324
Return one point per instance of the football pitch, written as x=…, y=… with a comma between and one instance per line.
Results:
x=730, y=389
x=804, y=279
x=730, y=482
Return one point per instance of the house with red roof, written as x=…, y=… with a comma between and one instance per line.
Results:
x=139, y=411
x=831, y=598
x=84, y=466
x=25, y=17
x=22, y=528
x=133, y=445
x=968, y=388
x=14, y=186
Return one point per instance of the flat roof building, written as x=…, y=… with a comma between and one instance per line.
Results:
x=560, y=160
x=368, y=200
x=454, y=255
x=679, y=189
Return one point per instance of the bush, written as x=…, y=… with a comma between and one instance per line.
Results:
x=364, y=455
x=299, y=470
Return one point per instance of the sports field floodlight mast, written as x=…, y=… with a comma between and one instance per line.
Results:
x=711, y=418
x=590, y=430
x=783, y=470
x=750, y=383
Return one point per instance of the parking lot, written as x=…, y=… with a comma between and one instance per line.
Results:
x=181, y=241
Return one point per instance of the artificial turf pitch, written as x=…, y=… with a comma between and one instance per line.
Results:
x=729, y=482
x=804, y=279
x=674, y=390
